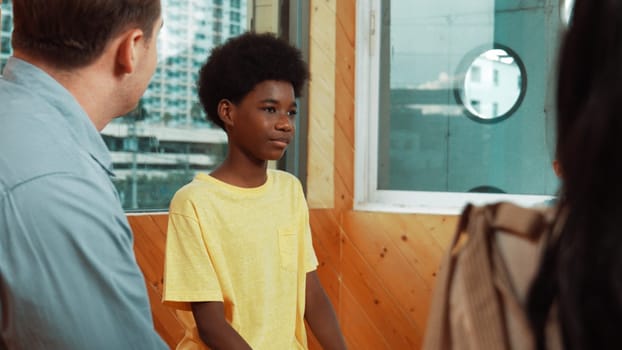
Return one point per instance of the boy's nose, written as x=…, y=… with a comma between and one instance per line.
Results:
x=284, y=123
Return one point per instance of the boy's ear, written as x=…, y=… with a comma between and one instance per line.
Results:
x=226, y=112
x=127, y=51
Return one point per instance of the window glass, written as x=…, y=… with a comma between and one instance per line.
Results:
x=462, y=90
x=160, y=145
x=5, y=33
x=168, y=138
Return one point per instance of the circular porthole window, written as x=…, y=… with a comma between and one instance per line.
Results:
x=493, y=84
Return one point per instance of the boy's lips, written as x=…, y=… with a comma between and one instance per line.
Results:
x=281, y=141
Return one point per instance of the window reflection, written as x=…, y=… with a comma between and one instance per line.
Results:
x=427, y=139
x=490, y=92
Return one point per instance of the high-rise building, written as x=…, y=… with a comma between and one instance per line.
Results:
x=191, y=29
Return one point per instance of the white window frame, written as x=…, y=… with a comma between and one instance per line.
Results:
x=366, y=195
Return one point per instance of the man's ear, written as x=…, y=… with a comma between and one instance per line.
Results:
x=127, y=51
x=226, y=111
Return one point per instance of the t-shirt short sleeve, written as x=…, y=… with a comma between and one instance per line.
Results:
x=189, y=275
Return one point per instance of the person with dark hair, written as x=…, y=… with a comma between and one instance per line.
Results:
x=239, y=263
x=68, y=275
x=579, y=283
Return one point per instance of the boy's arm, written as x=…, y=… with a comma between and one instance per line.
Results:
x=320, y=315
x=214, y=329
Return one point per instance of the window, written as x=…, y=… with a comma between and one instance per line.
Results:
x=420, y=148
x=234, y=29
x=6, y=44
x=235, y=17
x=217, y=39
x=6, y=23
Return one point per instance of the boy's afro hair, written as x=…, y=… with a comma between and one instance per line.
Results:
x=234, y=68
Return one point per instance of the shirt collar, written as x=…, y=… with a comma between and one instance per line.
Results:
x=80, y=126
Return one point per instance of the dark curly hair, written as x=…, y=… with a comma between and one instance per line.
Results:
x=234, y=68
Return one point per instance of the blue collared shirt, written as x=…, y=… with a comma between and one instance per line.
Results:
x=68, y=275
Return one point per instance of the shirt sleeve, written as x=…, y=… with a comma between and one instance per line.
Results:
x=310, y=260
x=189, y=275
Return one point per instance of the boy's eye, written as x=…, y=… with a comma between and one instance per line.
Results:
x=269, y=109
x=292, y=113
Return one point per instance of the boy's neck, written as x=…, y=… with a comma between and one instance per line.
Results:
x=241, y=175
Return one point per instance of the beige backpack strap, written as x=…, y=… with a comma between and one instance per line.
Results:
x=481, y=271
x=526, y=222
x=437, y=335
x=485, y=314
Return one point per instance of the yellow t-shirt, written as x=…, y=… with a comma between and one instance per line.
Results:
x=247, y=247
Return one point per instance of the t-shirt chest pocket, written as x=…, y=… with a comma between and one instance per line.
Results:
x=288, y=248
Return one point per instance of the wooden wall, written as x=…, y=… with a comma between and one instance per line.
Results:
x=149, y=240
x=377, y=268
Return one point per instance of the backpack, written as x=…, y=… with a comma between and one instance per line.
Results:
x=479, y=297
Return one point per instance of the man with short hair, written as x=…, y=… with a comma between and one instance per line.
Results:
x=68, y=275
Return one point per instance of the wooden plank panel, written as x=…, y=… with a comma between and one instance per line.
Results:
x=326, y=240
x=359, y=331
x=393, y=269
x=344, y=104
x=149, y=239
x=330, y=281
x=149, y=248
x=441, y=227
x=325, y=229
x=402, y=232
x=321, y=148
x=383, y=310
x=344, y=172
x=346, y=21
x=161, y=220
